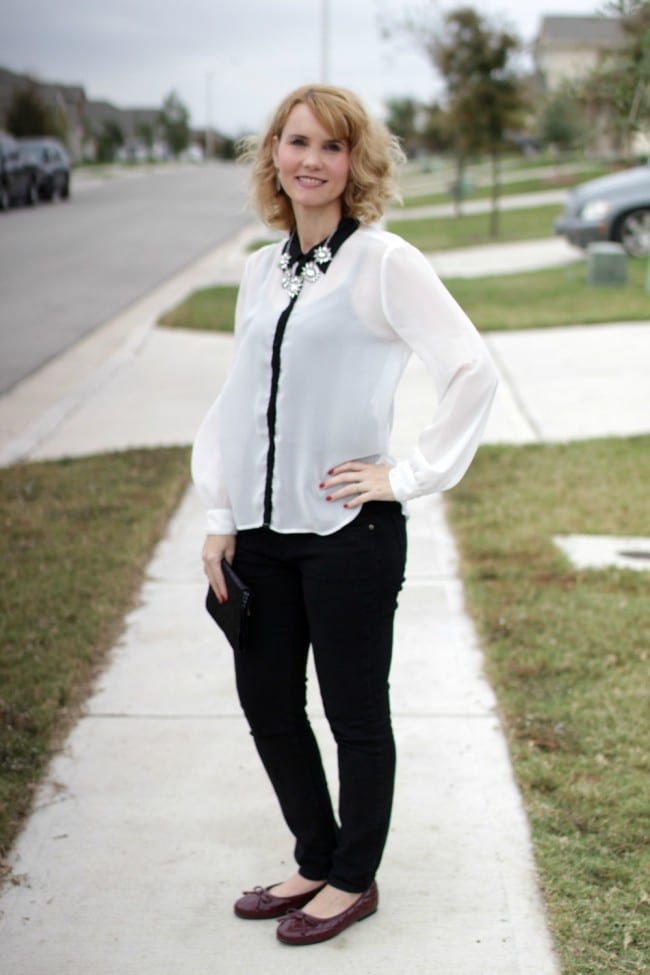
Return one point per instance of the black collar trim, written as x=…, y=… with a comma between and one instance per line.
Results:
x=345, y=229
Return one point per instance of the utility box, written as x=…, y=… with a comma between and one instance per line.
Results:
x=460, y=189
x=606, y=264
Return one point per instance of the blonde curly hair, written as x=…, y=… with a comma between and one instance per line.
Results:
x=374, y=156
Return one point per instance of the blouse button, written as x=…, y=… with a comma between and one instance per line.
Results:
x=371, y=528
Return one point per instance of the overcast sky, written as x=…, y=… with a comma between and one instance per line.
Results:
x=233, y=58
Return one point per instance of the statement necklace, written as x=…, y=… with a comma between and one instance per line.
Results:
x=295, y=273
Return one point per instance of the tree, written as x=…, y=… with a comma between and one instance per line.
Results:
x=419, y=126
x=621, y=85
x=437, y=130
x=109, y=140
x=633, y=62
x=562, y=122
x=29, y=114
x=144, y=131
x=484, y=97
x=484, y=94
x=174, y=121
x=402, y=120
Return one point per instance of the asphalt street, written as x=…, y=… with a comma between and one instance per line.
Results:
x=67, y=268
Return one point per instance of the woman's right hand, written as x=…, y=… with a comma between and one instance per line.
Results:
x=216, y=548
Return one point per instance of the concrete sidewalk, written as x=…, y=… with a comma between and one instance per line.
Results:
x=156, y=813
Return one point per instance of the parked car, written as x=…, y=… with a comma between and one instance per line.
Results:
x=615, y=207
x=52, y=166
x=18, y=176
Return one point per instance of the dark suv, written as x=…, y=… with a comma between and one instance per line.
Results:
x=18, y=176
x=52, y=166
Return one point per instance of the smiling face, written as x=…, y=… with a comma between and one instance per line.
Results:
x=312, y=165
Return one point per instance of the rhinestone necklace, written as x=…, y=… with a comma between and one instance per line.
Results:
x=295, y=273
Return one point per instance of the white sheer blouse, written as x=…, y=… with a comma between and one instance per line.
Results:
x=346, y=343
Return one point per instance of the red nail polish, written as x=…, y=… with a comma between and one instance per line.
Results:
x=321, y=485
x=346, y=505
x=331, y=472
x=329, y=497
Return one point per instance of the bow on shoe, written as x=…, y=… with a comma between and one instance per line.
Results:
x=263, y=895
x=300, y=921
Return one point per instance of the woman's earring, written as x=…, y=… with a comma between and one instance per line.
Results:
x=278, y=184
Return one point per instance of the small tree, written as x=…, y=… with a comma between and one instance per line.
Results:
x=485, y=99
x=621, y=85
x=144, y=131
x=108, y=142
x=437, y=130
x=29, y=114
x=484, y=94
x=174, y=121
x=562, y=123
x=402, y=120
x=226, y=147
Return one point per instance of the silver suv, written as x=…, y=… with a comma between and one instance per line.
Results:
x=615, y=207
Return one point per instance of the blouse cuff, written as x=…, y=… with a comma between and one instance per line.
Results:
x=221, y=522
x=402, y=481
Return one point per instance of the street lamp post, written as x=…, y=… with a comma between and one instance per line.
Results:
x=325, y=41
x=209, y=131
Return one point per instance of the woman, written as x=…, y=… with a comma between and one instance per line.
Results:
x=304, y=501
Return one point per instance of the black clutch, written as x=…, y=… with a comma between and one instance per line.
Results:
x=231, y=616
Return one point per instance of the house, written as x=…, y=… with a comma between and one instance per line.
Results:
x=568, y=48
x=69, y=100
x=84, y=118
x=140, y=128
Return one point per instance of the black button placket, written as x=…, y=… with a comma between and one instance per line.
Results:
x=346, y=227
x=272, y=410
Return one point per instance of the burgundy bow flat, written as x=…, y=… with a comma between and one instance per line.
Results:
x=260, y=904
x=298, y=928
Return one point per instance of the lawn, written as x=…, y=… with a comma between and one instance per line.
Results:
x=553, y=181
x=558, y=296
x=536, y=299
x=469, y=230
x=567, y=654
x=76, y=537
x=208, y=309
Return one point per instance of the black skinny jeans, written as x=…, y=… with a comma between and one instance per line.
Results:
x=339, y=593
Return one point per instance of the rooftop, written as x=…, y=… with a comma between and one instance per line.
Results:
x=578, y=31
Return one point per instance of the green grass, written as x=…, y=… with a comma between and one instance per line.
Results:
x=553, y=181
x=76, y=536
x=568, y=655
x=558, y=296
x=469, y=230
x=256, y=245
x=536, y=299
x=209, y=309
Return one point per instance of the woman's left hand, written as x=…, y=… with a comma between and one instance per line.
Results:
x=357, y=482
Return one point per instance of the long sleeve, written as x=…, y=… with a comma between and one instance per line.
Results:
x=428, y=319
x=207, y=474
x=207, y=468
